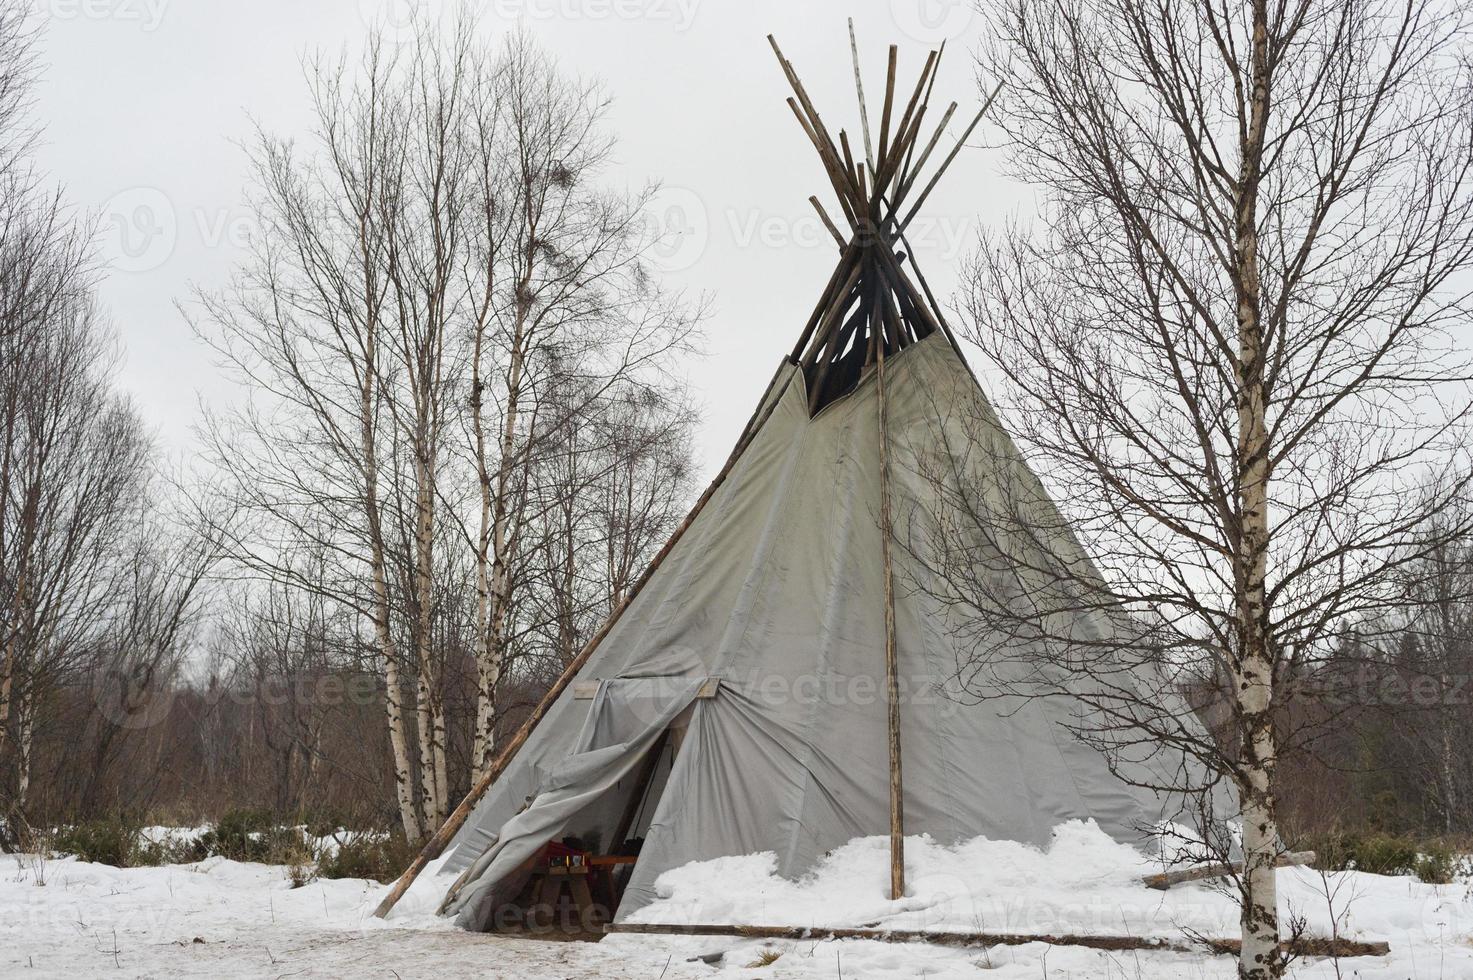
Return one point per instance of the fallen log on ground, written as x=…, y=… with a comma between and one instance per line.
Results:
x=1299, y=947
x=1308, y=946
x=1166, y=879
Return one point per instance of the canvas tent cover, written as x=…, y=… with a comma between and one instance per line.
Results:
x=776, y=589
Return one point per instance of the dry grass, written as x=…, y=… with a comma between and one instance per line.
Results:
x=765, y=958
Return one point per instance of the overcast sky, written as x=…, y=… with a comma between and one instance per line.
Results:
x=145, y=102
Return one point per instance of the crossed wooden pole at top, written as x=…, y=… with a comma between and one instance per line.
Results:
x=870, y=299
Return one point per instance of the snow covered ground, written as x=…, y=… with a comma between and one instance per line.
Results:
x=63, y=918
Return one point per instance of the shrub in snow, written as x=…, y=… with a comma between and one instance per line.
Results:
x=254, y=835
x=1430, y=861
x=377, y=857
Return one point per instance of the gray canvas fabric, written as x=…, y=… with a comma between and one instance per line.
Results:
x=777, y=589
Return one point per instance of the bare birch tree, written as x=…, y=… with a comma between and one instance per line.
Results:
x=430, y=271
x=1427, y=645
x=155, y=589
x=73, y=462
x=275, y=640
x=86, y=591
x=309, y=325
x=427, y=219
x=1223, y=344
x=565, y=312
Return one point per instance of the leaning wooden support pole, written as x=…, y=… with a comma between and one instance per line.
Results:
x=1166, y=879
x=889, y=102
x=908, y=173
x=1299, y=947
x=892, y=671
x=904, y=130
x=457, y=818
x=869, y=149
x=926, y=99
x=847, y=259
x=931, y=184
x=828, y=222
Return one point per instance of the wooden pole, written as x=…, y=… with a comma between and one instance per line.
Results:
x=841, y=271
x=940, y=53
x=890, y=169
x=869, y=151
x=931, y=184
x=826, y=346
x=827, y=221
x=1299, y=947
x=457, y=818
x=902, y=284
x=840, y=303
x=889, y=102
x=908, y=175
x=892, y=671
x=827, y=147
x=890, y=161
x=1166, y=879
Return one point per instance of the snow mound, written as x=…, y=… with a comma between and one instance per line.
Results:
x=1083, y=882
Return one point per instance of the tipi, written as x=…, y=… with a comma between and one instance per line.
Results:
x=761, y=687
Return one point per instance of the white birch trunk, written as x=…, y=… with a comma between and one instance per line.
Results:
x=486, y=673
x=1254, y=683
x=10, y=656
x=424, y=735
x=1447, y=744
x=23, y=738
x=498, y=592
x=7, y=660
x=431, y=749
x=491, y=565
x=442, y=777
x=382, y=624
x=394, y=711
x=1259, y=919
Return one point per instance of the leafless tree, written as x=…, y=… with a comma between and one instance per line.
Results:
x=88, y=594
x=280, y=640
x=73, y=462
x=1425, y=660
x=317, y=326
x=564, y=312
x=1222, y=342
x=155, y=590
x=609, y=489
x=430, y=272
